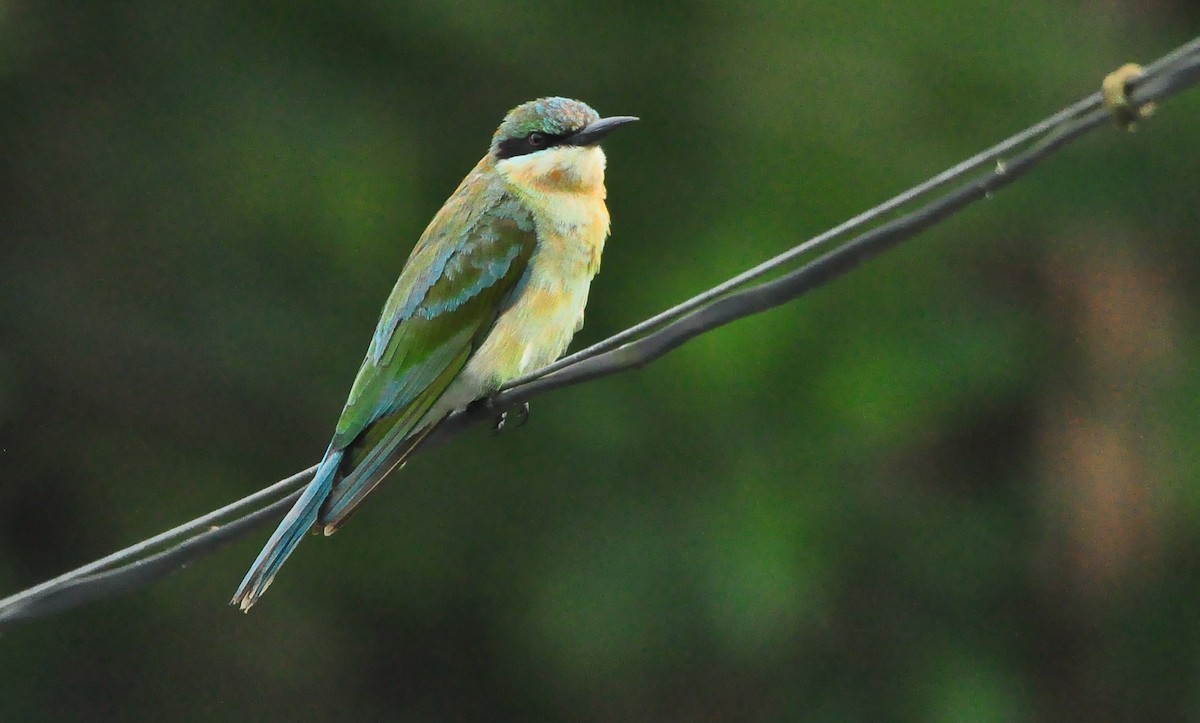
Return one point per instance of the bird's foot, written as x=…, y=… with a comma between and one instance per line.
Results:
x=521, y=414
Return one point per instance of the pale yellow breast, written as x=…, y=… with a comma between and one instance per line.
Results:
x=564, y=188
x=537, y=328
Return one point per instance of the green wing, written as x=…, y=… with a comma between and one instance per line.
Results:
x=447, y=298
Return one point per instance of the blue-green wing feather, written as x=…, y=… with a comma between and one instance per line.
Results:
x=453, y=286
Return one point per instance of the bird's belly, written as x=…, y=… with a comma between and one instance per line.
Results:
x=532, y=332
x=546, y=308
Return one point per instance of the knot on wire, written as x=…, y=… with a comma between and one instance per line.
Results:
x=1116, y=99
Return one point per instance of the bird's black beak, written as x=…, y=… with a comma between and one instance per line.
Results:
x=594, y=132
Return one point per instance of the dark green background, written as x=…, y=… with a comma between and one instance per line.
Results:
x=958, y=485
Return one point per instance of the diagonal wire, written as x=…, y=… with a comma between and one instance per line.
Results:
x=736, y=298
x=956, y=172
x=206, y=527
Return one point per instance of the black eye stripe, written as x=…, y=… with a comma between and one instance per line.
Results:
x=510, y=147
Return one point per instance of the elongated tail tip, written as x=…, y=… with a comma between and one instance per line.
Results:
x=247, y=595
x=299, y=520
x=252, y=588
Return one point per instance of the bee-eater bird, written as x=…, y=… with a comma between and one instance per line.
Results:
x=495, y=288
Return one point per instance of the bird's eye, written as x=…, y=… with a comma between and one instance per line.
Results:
x=531, y=142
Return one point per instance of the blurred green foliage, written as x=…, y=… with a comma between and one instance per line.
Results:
x=960, y=484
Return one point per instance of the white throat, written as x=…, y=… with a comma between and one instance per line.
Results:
x=561, y=169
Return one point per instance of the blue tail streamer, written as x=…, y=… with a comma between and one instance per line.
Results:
x=298, y=521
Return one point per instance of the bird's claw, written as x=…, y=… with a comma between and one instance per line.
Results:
x=522, y=415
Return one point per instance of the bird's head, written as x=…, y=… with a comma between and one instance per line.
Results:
x=553, y=144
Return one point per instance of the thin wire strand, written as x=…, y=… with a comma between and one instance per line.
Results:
x=12, y=606
x=979, y=160
x=136, y=566
x=84, y=588
x=774, y=264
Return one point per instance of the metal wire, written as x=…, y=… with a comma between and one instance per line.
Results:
x=736, y=298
